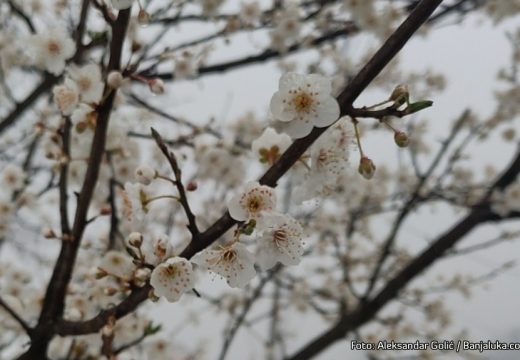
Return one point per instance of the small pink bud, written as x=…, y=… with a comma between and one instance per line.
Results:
x=192, y=186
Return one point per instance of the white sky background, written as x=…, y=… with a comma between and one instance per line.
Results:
x=469, y=55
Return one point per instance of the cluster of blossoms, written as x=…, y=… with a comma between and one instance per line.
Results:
x=507, y=200
x=12, y=178
x=278, y=238
x=82, y=88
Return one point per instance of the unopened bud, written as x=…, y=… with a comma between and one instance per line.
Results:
x=192, y=186
x=401, y=139
x=115, y=79
x=400, y=95
x=156, y=86
x=108, y=330
x=48, y=233
x=110, y=291
x=135, y=239
x=142, y=274
x=144, y=174
x=105, y=210
x=100, y=273
x=143, y=18
x=366, y=168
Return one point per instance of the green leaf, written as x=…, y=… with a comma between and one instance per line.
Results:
x=418, y=106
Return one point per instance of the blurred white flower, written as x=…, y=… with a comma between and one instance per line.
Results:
x=145, y=174
x=270, y=145
x=251, y=202
x=172, y=278
x=13, y=177
x=118, y=264
x=302, y=102
x=66, y=96
x=89, y=82
x=233, y=262
x=50, y=49
x=508, y=200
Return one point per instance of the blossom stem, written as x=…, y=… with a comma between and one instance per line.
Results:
x=358, y=137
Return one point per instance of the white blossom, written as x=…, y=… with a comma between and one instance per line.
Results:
x=158, y=249
x=250, y=12
x=13, y=177
x=234, y=262
x=302, y=102
x=270, y=145
x=280, y=241
x=185, y=66
x=118, y=264
x=507, y=200
x=135, y=201
x=145, y=174
x=89, y=82
x=251, y=202
x=172, y=278
x=51, y=48
x=66, y=96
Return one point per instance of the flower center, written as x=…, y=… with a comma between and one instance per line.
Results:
x=53, y=47
x=254, y=204
x=280, y=237
x=302, y=102
x=170, y=270
x=84, y=83
x=229, y=256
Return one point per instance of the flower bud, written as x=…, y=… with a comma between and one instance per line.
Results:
x=106, y=210
x=135, y=239
x=110, y=291
x=400, y=95
x=366, y=168
x=191, y=186
x=156, y=86
x=100, y=273
x=48, y=233
x=142, y=274
x=143, y=18
x=115, y=79
x=401, y=139
x=144, y=174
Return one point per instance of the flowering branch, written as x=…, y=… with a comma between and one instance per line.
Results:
x=54, y=301
x=382, y=57
x=479, y=214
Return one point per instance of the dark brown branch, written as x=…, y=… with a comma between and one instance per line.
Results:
x=412, y=202
x=54, y=301
x=64, y=169
x=15, y=316
x=183, y=199
x=48, y=82
x=20, y=13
